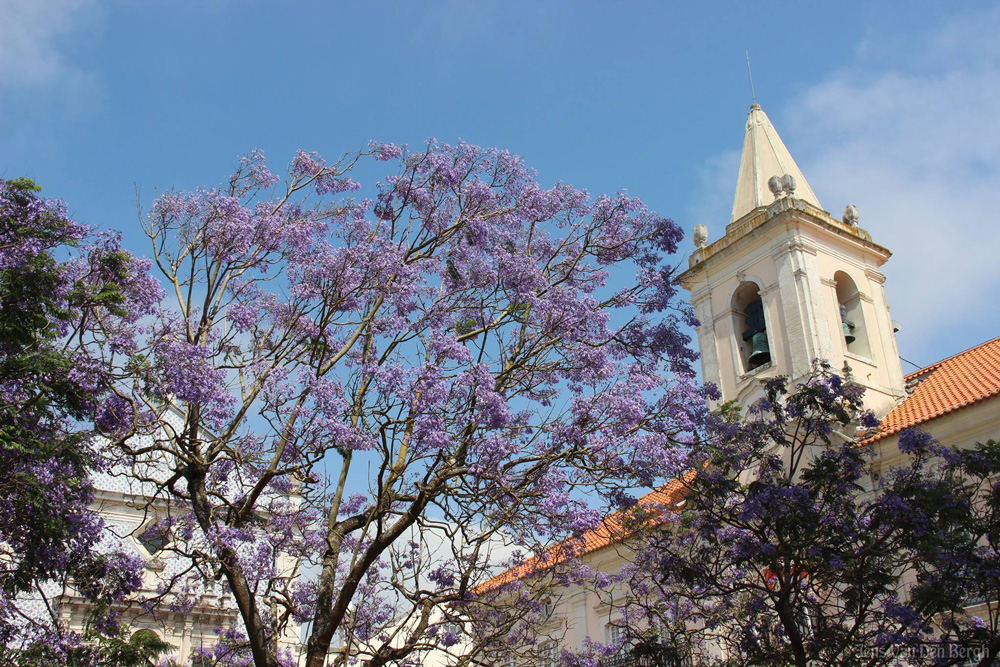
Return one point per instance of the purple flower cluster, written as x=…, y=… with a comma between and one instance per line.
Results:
x=185, y=372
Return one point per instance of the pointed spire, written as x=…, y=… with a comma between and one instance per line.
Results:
x=764, y=156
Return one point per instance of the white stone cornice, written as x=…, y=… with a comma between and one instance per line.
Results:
x=802, y=245
x=797, y=244
x=875, y=274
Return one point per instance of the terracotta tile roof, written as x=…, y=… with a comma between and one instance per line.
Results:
x=612, y=530
x=941, y=388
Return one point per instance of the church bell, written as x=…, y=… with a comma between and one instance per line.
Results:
x=848, y=325
x=760, y=353
x=756, y=333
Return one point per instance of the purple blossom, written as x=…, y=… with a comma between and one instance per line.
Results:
x=384, y=152
x=259, y=176
x=185, y=371
x=242, y=316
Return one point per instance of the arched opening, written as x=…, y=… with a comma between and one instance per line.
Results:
x=144, y=636
x=852, y=318
x=146, y=647
x=750, y=325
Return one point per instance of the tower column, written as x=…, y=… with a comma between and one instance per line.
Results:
x=806, y=328
x=887, y=341
x=707, y=339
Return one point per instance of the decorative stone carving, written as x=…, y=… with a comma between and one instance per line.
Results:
x=851, y=215
x=774, y=185
x=782, y=186
x=700, y=236
x=788, y=184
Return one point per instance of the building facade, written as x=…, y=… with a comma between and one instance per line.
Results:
x=193, y=607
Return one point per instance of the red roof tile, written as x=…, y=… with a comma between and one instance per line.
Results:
x=941, y=388
x=612, y=530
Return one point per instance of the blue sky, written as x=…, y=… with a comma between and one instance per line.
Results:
x=890, y=106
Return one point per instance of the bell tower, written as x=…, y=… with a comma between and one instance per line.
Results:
x=788, y=283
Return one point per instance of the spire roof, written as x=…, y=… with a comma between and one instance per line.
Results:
x=764, y=156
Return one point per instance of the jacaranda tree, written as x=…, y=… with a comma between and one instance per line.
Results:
x=796, y=545
x=380, y=396
x=70, y=306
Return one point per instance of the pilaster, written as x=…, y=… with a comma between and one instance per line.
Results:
x=707, y=341
x=796, y=326
x=886, y=340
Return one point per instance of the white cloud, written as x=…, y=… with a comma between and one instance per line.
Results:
x=919, y=153
x=31, y=34
x=910, y=135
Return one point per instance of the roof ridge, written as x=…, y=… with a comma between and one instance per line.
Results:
x=953, y=383
x=934, y=365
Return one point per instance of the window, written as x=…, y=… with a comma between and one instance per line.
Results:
x=750, y=327
x=615, y=635
x=875, y=473
x=549, y=655
x=154, y=538
x=852, y=319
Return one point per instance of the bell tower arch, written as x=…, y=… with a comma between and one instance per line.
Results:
x=752, y=345
x=788, y=283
